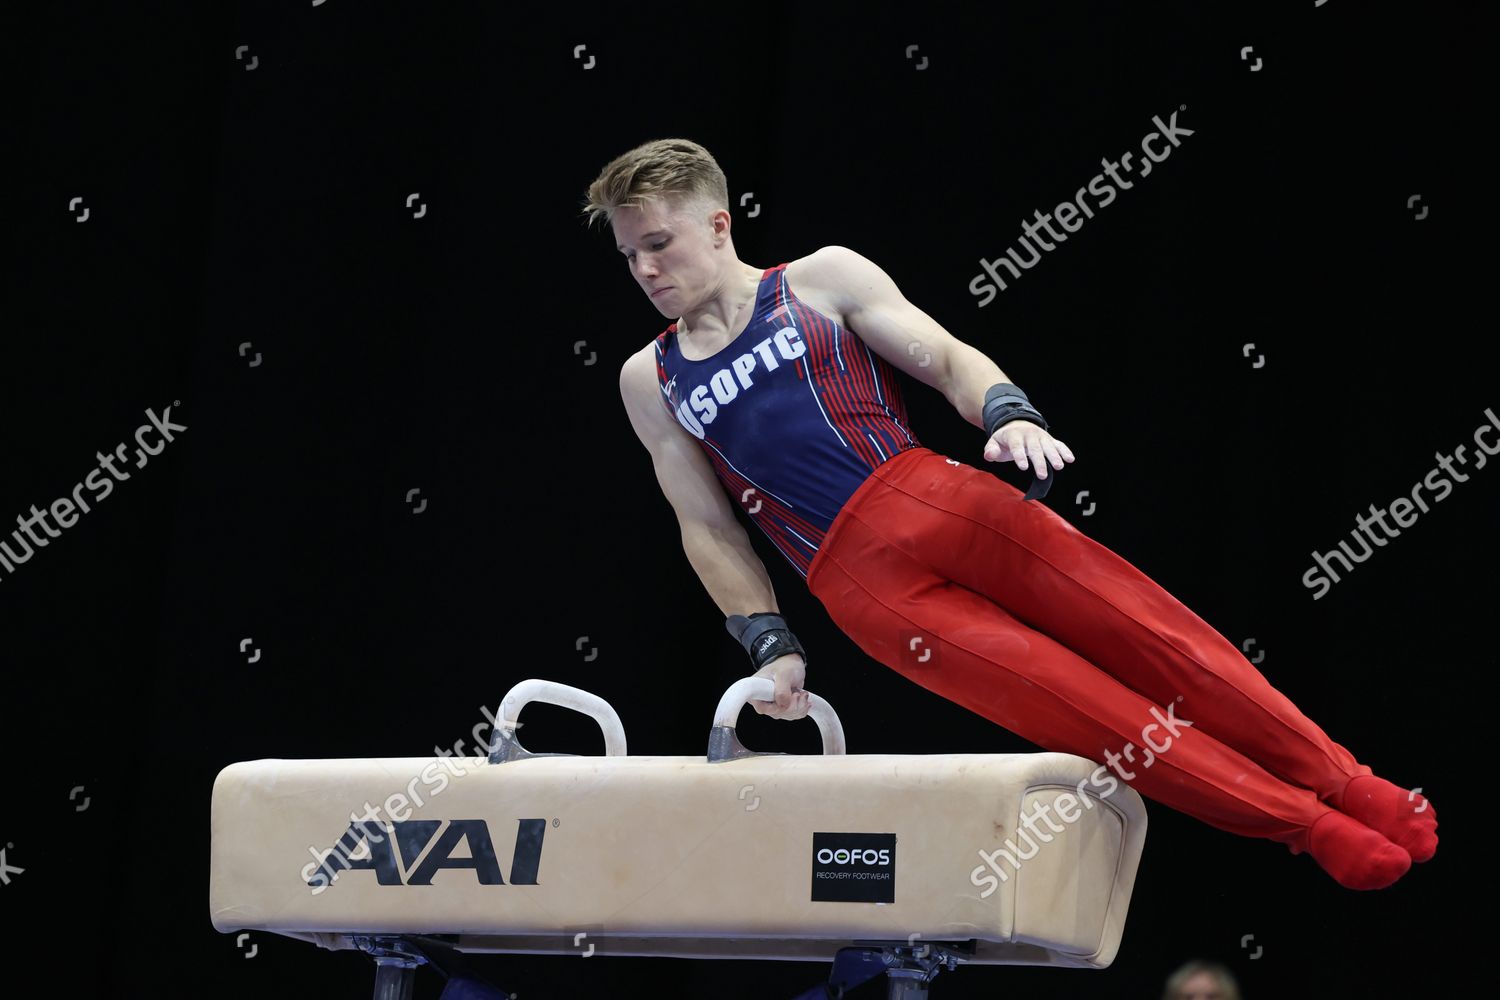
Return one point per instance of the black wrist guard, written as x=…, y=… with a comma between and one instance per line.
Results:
x=1005, y=402
x=764, y=636
x=1002, y=404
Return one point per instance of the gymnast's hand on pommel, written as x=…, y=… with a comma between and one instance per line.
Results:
x=1025, y=441
x=788, y=672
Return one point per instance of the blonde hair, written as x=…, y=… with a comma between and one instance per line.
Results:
x=1227, y=984
x=674, y=171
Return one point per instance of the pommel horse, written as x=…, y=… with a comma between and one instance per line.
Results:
x=894, y=864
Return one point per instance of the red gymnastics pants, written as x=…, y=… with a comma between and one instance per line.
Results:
x=944, y=573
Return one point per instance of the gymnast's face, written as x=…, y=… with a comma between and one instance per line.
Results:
x=671, y=251
x=1203, y=986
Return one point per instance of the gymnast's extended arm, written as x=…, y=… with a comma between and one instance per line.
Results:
x=715, y=542
x=877, y=312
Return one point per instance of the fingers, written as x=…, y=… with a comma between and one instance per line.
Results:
x=794, y=706
x=798, y=707
x=789, y=700
x=783, y=690
x=1040, y=448
x=798, y=710
x=1051, y=448
x=1027, y=451
x=1058, y=452
x=1034, y=449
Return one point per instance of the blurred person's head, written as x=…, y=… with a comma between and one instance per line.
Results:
x=1201, y=980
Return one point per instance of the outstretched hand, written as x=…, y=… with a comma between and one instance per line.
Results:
x=1026, y=442
x=788, y=672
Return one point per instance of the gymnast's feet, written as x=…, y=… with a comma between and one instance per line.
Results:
x=1356, y=856
x=1405, y=818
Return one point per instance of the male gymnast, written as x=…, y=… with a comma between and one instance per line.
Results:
x=775, y=389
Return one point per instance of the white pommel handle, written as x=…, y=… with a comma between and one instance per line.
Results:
x=564, y=696
x=742, y=691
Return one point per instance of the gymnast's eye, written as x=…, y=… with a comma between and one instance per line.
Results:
x=657, y=247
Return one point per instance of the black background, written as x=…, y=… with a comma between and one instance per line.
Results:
x=268, y=206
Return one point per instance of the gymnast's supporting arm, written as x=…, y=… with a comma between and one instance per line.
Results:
x=714, y=541
x=736, y=578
